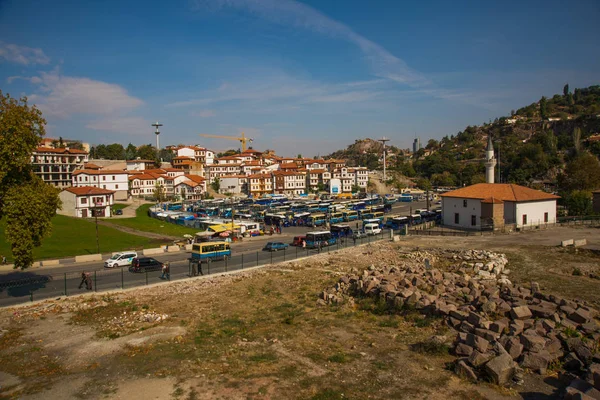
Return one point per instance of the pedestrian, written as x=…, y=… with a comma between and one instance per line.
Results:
x=3, y=260
x=354, y=240
x=87, y=279
x=303, y=243
x=166, y=271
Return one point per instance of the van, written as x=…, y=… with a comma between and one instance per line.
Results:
x=298, y=240
x=372, y=229
x=120, y=259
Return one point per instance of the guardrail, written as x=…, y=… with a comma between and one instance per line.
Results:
x=22, y=286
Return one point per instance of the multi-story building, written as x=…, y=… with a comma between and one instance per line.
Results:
x=259, y=185
x=189, y=187
x=86, y=201
x=289, y=183
x=139, y=165
x=114, y=180
x=214, y=171
x=234, y=184
x=146, y=184
x=56, y=166
x=362, y=176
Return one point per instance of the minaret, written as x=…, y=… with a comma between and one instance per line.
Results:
x=490, y=161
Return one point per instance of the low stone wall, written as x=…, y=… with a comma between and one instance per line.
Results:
x=149, y=252
x=88, y=257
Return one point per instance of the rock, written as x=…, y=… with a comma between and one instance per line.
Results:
x=585, y=388
x=475, y=319
x=580, y=316
x=478, y=342
x=536, y=361
x=520, y=313
x=464, y=371
x=516, y=327
x=542, y=311
x=514, y=347
x=533, y=343
x=500, y=369
x=477, y=358
x=463, y=349
x=498, y=327
x=572, y=363
x=595, y=372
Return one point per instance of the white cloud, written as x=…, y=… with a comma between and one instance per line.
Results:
x=204, y=113
x=346, y=97
x=22, y=54
x=33, y=79
x=64, y=96
x=126, y=125
x=294, y=13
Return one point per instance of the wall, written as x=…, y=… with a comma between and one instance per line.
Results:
x=68, y=207
x=535, y=212
x=597, y=202
x=452, y=205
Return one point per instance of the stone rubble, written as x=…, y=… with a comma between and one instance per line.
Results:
x=501, y=329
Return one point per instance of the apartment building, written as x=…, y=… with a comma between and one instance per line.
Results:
x=289, y=183
x=114, y=180
x=234, y=184
x=139, y=165
x=146, y=184
x=189, y=187
x=211, y=172
x=259, y=185
x=56, y=166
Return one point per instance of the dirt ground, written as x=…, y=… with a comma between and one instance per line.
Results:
x=261, y=334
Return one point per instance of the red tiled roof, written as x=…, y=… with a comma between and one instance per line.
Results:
x=195, y=178
x=100, y=172
x=492, y=200
x=88, y=190
x=91, y=166
x=289, y=166
x=139, y=161
x=59, y=151
x=500, y=191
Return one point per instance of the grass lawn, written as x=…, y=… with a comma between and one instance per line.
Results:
x=119, y=206
x=75, y=236
x=142, y=222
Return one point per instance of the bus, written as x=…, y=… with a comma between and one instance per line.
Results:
x=396, y=222
x=251, y=228
x=340, y=231
x=359, y=205
x=316, y=220
x=336, y=217
x=415, y=219
x=210, y=251
x=379, y=216
x=350, y=216
x=319, y=239
x=389, y=220
x=366, y=215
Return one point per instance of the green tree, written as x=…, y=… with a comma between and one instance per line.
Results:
x=158, y=192
x=581, y=173
x=216, y=184
x=26, y=201
x=147, y=152
x=566, y=90
x=579, y=202
x=424, y=184
x=130, y=152
x=543, y=108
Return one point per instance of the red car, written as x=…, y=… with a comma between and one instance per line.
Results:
x=298, y=240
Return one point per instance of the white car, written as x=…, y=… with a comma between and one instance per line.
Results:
x=372, y=229
x=122, y=259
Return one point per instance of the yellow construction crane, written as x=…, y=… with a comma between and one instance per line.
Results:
x=242, y=139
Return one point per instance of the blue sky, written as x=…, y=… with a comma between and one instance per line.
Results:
x=304, y=77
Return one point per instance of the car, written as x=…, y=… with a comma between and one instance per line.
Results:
x=119, y=212
x=298, y=240
x=359, y=235
x=372, y=229
x=143, y=264
x=121, y=259
x=275, y=246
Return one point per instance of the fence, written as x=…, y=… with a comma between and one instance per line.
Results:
x=21, y=286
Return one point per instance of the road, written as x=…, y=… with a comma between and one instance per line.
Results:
x=55, y=281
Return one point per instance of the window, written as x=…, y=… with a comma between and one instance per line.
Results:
x=464, y=203
x=103, y=178
x=473, y=220
x=524, y=219
x=83, y=200
x=456, y=218
x=113, y=177
x=103, y=186
x=545, y=217
x=116, y=186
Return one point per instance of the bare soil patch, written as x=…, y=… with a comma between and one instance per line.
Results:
x=261, y=334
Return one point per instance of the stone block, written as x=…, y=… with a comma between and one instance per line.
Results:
x=580, y=242
x=500, y=369
x=568, y=242
x=463, y=349
x=580, y=316
x=477, y=342
x=572, y=363
x=88, y=257
x=464, y=371
x=533, y=343
x=537, y=362
x=48, y=263
x=498, y=326
x=520, y=313
x=149, y=252
x=477, y=358
x=514, y=347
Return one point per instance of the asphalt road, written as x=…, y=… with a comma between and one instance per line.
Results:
x=55, y=281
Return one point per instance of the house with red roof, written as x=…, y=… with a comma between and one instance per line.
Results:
x=494, y=205
x=114, y=180
x=86, y=202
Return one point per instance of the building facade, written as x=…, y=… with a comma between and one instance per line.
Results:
x=56, y=166
x=114, y=180
x=86, y=202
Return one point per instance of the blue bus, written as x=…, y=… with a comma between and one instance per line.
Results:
x=350, y=215
x=336, y=217
x=396, y=222
x=210, y=251
x=319, y=239
x=316, y=220
x=341, y=230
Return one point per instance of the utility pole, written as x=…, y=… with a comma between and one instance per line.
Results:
x=157, y=133
x=383, y=140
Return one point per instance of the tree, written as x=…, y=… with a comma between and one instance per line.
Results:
x=566, y=90
x=130, y=152
x=216, y=184
x=543, y=108
x=577, y=139
x=147, y=152
x=158, y=192
x=432, y=144
x=581, y=173
x=579, y=202
x=424, y=184
x=25, y=200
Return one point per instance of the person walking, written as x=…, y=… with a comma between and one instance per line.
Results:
x=303, y=243
x=3, y=260
x=166, y=271
x=86, y=277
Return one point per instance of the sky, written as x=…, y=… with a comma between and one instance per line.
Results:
x=300, y=77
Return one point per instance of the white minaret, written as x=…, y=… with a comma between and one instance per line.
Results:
x=490, y=161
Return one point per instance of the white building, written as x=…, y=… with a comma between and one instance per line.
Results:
x=56, y=166
x=139, y=165
x=234, y=184
x=289, y=183
x=114, y=180
x=86, y=202
x=494, y=205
